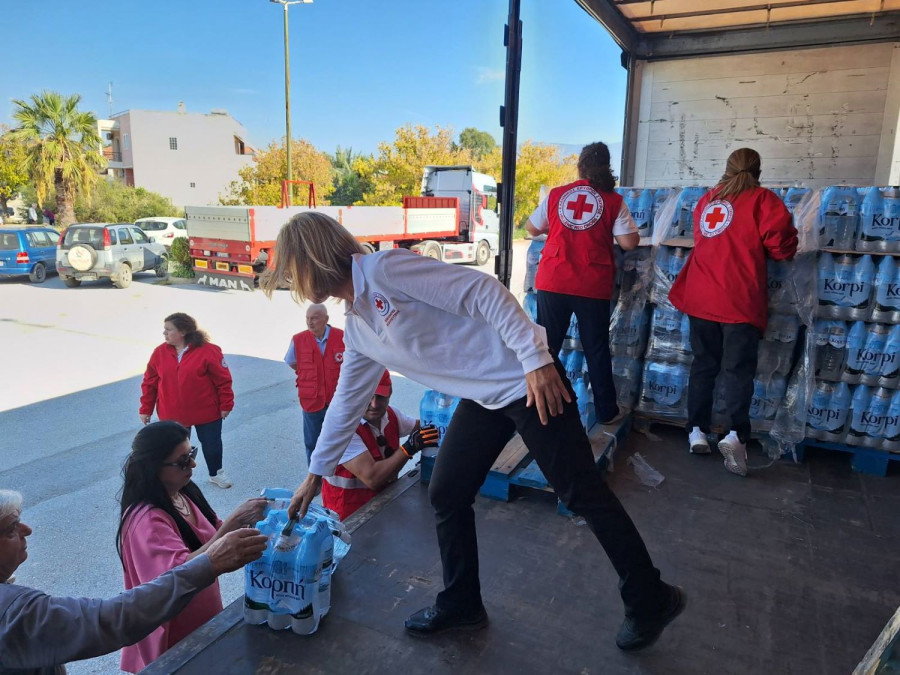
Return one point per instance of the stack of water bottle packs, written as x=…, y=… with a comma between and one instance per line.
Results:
x=857, y=366
x=290, y=585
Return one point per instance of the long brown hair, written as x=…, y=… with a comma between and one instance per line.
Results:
x=193, y=336
x=313, y=256
x=741, y=173
x=593, y=166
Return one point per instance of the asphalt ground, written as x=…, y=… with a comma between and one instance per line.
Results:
x=71, y=362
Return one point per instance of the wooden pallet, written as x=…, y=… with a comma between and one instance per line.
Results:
x=864, y=460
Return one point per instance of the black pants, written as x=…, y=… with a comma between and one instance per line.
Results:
x=210, y=437
x=473, y=441
x=731, y=348
x=555, y=313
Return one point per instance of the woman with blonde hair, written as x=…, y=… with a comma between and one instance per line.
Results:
x=722, y=288
x=408, y=313
x=187, y=380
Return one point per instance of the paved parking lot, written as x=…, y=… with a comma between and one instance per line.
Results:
x=72, y=361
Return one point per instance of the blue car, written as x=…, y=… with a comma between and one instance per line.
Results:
x=28, y=250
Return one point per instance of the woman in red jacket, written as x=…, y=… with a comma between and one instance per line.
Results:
x=188, y=381
x=723, y=289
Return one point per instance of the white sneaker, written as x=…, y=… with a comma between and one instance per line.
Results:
x=735, y=454
x=699, y=442
x=221, y=480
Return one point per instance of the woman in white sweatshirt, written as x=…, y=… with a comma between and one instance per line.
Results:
x=408, y=313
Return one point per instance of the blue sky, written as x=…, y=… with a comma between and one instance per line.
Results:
x=359, y=68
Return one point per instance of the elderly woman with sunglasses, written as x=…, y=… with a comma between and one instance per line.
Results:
x=165, y=522
x=39, y=633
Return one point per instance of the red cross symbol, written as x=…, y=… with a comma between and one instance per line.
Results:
x=714, y=217
x=379, y=304
x=579, y=207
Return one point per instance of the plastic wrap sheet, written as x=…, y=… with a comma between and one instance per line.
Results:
x=629, y=324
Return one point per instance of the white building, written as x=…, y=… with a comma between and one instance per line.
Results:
x=191, y=158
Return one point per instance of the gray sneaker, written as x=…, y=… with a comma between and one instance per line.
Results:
x=735, y=454
x=699, y=442
x=221, y=480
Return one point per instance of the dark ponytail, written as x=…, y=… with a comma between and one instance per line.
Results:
x=742, y=172
x=593, y=166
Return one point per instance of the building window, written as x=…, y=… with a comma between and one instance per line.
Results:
x=193, y=185
x=126, y=141
x=173, y=143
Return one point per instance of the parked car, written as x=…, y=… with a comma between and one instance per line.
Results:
x=28, y=250
x=163, y=230
x=115, y=251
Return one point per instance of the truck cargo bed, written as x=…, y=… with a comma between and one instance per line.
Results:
x=789, y=571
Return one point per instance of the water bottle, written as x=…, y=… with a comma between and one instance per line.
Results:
x=859, y=294
x=444, y=408
x=532, y=259
x=835, y=420
x=758, y=400
x=573, y=336
x=782, y=296
x=829, y=295
x=643, y=213
x=817, y=410
x=687, y=202
x=305, y=620
x=839, y=217
x=684, y=345
x=891, y=214
x=654, y=382
x=862, y=396
x=775, y=391
x=677, y=401
x=665, y=333
x=529, y=304
x=585, y=400
x=890, y=360
x=872, y=356
x=856, y=343
x=891, y=441
x=793, y=196
x=875, y=416
x=887, y=292
x=574, y=365
x=257, y=579
x=288, y=598
x=628, y=330
x=874, y=228
x=327, y=569
x=844, y=275
x=677, y=259
x=627, y=379
x=831, y=349
x=427, y=408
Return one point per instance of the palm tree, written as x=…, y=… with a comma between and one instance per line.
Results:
x=62, y=148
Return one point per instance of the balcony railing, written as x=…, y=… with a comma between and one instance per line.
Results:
x=112, y=156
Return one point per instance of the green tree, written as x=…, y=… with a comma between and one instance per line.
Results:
x=260, y=183
x=479, y=143
x=13, y=175
x=396, y=171
x=349, y=185
x=115, y=202
x=62, y=148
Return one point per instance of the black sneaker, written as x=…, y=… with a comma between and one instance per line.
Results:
x=640, y=633
x=433, y=620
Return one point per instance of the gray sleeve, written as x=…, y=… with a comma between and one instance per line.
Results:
x=39, y=631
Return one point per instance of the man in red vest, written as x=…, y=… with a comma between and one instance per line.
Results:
x=374, y=457
x=316, y=356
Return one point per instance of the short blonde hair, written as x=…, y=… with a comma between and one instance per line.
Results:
x=313, y=257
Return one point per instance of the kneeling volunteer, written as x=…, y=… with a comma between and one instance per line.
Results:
x=374, y=456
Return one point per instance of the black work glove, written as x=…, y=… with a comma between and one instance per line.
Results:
x=424, y=437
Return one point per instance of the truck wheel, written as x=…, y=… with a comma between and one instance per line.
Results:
x=38, y=274
x=482, y=253
x=72, y=282
x=431, y=249
x=123, y=280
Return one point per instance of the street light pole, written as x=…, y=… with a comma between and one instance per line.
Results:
x=287, y=86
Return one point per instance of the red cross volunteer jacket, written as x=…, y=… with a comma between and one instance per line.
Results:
x=343, y=492
x=317, y=373
x=195, y=391
x=724, y=279
x=578, y=258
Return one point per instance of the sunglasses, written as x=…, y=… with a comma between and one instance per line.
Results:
x=183, y=462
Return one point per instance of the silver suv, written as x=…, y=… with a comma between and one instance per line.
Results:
x=91, y=251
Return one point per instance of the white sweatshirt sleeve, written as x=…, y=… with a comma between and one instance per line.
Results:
x=467, y=292
x=356, y=385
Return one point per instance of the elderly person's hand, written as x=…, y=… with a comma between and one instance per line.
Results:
x=245, y=515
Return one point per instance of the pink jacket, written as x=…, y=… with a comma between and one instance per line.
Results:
x=152, y=545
